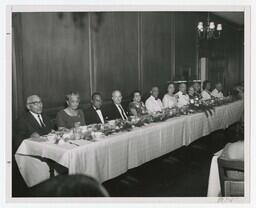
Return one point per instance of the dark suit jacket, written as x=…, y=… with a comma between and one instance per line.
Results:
x=114, y=112
x=91, y=116
x=27, y=125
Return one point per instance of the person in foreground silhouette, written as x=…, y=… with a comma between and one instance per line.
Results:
x=69, y=186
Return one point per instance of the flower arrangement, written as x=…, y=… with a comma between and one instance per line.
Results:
x=87, y=132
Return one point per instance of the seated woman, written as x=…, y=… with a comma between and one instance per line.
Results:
x=137, y=107
x=197, y=88
x=67, y=117
x=206, y=93
x=169, y=99
x=191, y=92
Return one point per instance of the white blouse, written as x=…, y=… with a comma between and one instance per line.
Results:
x=169, y=101
x=217, y=94
x=182, y=99
x=205, y=95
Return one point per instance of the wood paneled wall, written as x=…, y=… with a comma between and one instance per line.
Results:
x=225, y=55
x=156, y=49
x=55, y=53
x=186, y=57
x=116, y=54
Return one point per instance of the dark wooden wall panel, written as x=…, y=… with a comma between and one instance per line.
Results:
x=185, y=46
x=116, y=53
x=55, y=53
x=55, y=56
x=156, y=49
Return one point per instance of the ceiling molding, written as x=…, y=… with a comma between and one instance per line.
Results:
x=233, y=17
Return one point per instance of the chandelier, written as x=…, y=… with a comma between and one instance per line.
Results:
x=208, y=31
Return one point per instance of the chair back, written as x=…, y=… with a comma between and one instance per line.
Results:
x=231, y=185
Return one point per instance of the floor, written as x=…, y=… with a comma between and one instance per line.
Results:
x=182, y=173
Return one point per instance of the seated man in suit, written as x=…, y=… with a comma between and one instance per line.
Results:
x=34, y=123
x=153, y=103
x=95, y=114
x=217, y=92
x=116, y=109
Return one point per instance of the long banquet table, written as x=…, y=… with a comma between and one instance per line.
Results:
x=111, y=156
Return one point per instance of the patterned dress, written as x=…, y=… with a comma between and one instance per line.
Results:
x=139, y=107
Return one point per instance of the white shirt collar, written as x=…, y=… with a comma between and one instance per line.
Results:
x=152, y=97
x=118, y=105
x=95, y=108
x=34, y=114
x=99, y=114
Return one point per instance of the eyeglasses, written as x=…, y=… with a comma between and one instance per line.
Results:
x=36, y=102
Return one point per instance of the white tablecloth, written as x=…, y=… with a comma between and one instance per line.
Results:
x=115, y=154
x=214, y=189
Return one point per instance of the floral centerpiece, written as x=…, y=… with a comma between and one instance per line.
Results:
x=197, y=105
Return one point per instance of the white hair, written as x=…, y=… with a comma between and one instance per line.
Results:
x=31, y=97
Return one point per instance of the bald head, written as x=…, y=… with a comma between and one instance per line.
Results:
x=155, y=91
x=218, y=86
x=183, y=87
x=34, y=104
x=117, y=97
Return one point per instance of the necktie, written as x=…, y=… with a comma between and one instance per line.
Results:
x=40, y=120
x=122, y=112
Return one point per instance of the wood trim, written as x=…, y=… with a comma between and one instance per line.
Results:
x=173, y=40
x=140, y=78
x=15, y=102
x=17, y=67
x=197, y=69
x=91, y=63
x=140, y=54
x=94, y=61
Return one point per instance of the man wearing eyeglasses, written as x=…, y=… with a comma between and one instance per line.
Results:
x=34, y=123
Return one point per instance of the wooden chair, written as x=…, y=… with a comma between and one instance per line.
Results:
x=231, y=186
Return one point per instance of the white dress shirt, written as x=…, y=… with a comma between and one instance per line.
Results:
x=182, y=99
x=153, y=105
x=217, y=94
x=37, y=119
x=169, y=101
x=205, y=95
x=120, y=109
x=98, y=111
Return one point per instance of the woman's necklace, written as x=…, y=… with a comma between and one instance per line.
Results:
x=72, y=112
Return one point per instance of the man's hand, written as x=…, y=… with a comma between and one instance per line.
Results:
x=34, y=135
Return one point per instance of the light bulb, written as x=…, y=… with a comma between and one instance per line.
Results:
x=219, y=27
x=212, y=25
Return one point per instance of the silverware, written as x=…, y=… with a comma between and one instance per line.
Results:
x=73, y=143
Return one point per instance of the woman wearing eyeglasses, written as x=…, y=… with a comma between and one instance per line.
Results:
x=71, y=115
